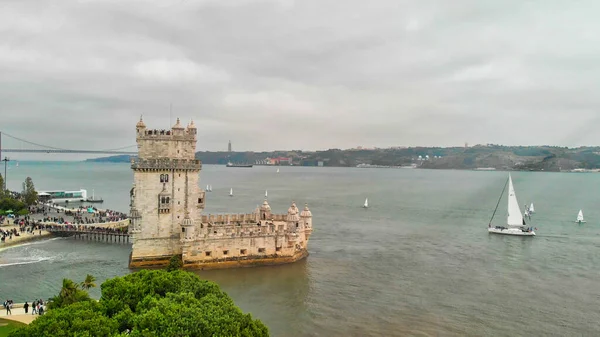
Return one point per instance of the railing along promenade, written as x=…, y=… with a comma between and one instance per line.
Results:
x=114, y=232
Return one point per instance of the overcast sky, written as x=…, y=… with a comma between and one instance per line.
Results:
x=306, y=74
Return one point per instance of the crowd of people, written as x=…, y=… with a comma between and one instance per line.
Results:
x=45, y=217
x=37, y=307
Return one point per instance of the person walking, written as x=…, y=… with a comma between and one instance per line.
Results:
x=34, y=307
x=26, y=306
x=8, y=305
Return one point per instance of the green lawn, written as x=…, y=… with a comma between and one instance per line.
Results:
x=7, y=326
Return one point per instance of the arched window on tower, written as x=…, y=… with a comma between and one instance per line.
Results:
x=164, y=178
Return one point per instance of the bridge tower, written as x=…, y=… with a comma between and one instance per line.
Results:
x=165, y=194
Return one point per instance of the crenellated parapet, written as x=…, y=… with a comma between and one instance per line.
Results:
x=159, y=164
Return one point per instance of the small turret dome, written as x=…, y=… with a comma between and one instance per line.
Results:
x=191, y=125
x=140, y=124
x=265, y=206
x=187, y=221
x=306, y=213
x=293, y=209
x=177, y=125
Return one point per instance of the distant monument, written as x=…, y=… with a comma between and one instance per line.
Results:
x=229, y=147
x=166, y=206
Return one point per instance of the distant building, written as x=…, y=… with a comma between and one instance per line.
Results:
x=229, y=147
x=281, y=161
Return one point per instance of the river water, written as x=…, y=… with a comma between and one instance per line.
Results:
x=419, y=261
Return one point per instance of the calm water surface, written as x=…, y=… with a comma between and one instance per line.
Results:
x=419, y=261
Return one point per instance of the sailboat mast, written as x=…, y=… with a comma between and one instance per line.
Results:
x=498, y=204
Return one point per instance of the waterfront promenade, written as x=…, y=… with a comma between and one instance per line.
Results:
x=18, y=314
x=45, y=219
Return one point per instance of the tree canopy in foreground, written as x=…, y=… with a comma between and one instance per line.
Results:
x=148, y=303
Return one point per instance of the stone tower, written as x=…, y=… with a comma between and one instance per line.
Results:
x=166, y=197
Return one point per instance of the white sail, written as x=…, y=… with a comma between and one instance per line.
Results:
x=266, y=194
x=366, y=205
x=531, y=209
x=515, y=217
x=207, y=189
x=231, y=192
x=580, y=216
x=210, y=188
x=277, y=170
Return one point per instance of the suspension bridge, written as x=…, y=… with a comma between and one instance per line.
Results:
x=13, y=144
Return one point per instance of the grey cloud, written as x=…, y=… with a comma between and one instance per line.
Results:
x=301, y=74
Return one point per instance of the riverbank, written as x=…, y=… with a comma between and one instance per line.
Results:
x=23, y=236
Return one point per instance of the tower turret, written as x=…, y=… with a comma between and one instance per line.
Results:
x=140, y=127
x=265, y=211
x=306, y=219
x=191, y=128
x=178, y=128
x=187, y=228
x=135, y=224
x=293, y=219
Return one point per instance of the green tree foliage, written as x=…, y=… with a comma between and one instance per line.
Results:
x=30, y=195
x=175, y=263
x=88, y=282
x=149, y=303
x=69, y=294
x=1, y=186
x=9, y=203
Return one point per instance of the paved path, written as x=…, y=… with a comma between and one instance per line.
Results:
x=18, y=314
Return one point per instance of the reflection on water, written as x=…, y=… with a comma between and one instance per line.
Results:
x=279, y=293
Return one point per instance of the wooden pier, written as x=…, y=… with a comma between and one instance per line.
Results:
x=92, y=235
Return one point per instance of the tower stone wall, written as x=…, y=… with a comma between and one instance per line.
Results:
x=166, y=181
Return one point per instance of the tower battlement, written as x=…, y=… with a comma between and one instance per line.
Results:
x=166, y=206
x=176, y=143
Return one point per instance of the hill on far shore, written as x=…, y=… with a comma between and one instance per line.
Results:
x=531, y=158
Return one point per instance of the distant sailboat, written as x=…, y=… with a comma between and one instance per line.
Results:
x=210, y=188
x=266, y=194
x=580, y=217
x=366, y=205
x=17, y=164
x=231, y=192
x=515, y=223
x=207, y=188
x=531, y=209
x=277, y=170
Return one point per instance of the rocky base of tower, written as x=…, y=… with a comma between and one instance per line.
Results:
x=246, y=261
x=149, y=262
x=233, y=262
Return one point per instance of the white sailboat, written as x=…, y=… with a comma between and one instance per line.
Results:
x=266, y=194
x=580, y=217
x=515, y=223
x=366, y=205
x=277, y=170
x=210, y=188
x=531, y=209
x=231, y=192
